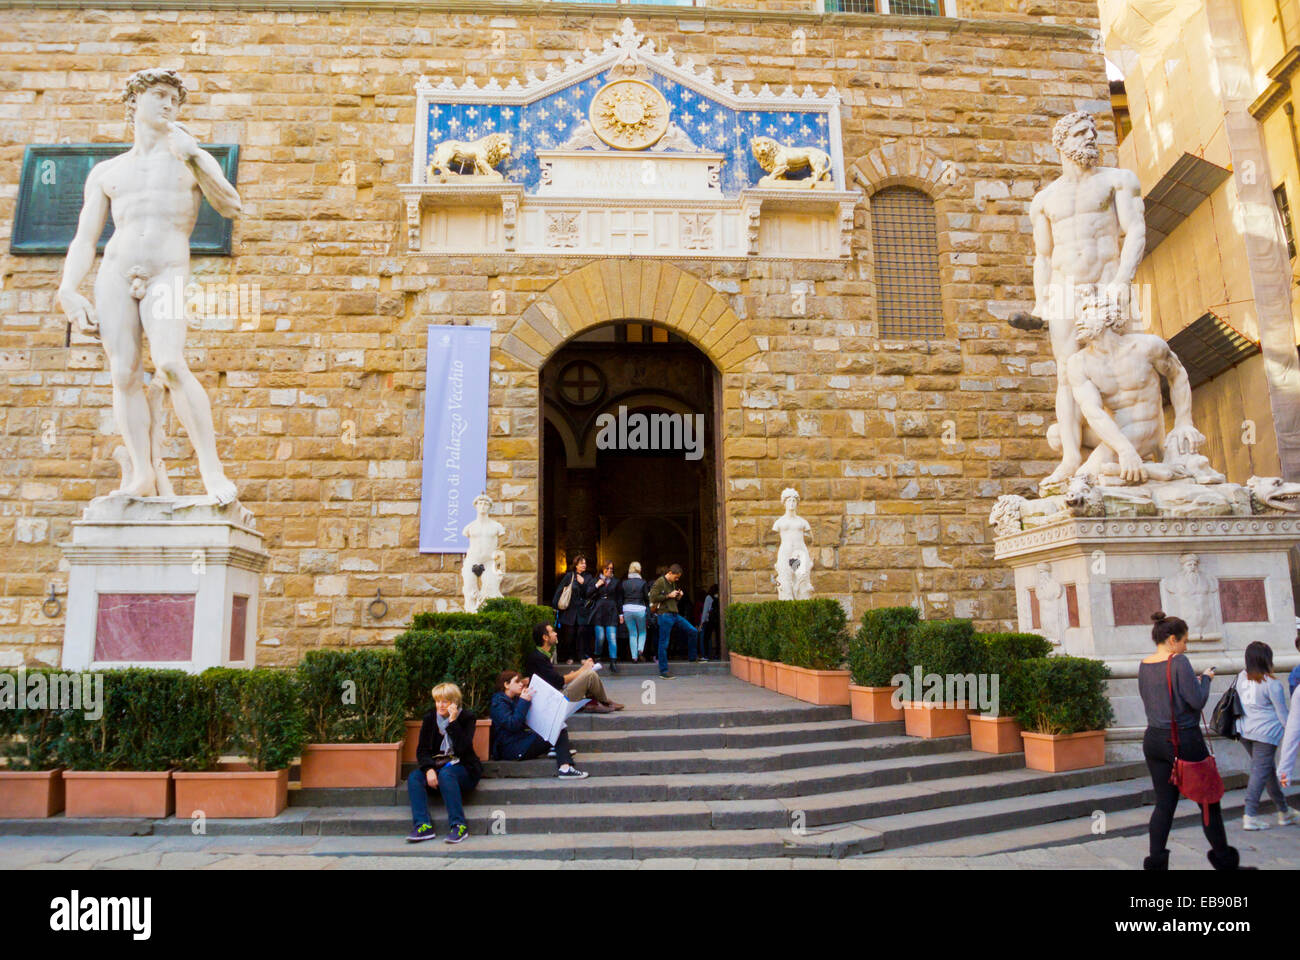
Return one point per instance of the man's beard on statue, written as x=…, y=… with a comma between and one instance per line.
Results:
x=1085, y=156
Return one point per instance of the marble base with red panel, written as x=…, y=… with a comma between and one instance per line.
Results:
x=162, y=582
x=1115, y=572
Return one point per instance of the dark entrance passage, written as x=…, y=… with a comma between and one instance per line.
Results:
x=629, y=460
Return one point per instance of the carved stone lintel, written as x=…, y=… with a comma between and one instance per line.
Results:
x=562, y=229
x=697, y=231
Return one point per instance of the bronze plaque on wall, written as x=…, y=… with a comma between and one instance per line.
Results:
x=50, y=193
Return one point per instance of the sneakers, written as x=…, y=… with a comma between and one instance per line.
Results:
x=667, y=676
x=1285, y=818
x=457, y=833
x=1253, y=823
x=571, y=773
x=424, y=831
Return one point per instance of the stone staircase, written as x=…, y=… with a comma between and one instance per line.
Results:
x=781, y=779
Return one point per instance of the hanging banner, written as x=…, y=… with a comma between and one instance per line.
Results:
x=455, y=435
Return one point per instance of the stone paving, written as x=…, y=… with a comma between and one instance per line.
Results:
x=1274, y=849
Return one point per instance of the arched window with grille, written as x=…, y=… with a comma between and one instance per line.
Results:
x=905, y=248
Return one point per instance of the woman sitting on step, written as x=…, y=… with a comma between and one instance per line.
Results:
x=446, y=762
x=511, y=738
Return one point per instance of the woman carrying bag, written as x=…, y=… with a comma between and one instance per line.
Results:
x=1173, y=744
x=570, y=607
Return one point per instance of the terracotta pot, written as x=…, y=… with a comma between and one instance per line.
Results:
x=231, y=793
x=411, y=741
x=28, y=794
x=112, y=793
x=351, y=764
x=822, y=687
x=769, y=674
x=930, y=720
x=787, y=683
x=994, y=734
x=740, y=667
x=1055, y=753
x=874, y=704
x=482, y=732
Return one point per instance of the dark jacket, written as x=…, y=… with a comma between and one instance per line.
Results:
x=511, y=738
x=636, y=590
x=606, y=603
x=461, y=734
x=539, y=665
x=576, y=612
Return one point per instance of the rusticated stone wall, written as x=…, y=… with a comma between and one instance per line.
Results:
x=898, y=447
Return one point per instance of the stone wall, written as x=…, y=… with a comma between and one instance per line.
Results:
x=318, y=403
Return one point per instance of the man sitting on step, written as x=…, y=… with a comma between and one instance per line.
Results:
x=582, y=684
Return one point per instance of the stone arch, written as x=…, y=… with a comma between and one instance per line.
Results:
x=622, y=289
x=899, y=164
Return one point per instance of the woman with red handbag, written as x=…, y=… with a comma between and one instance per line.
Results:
x=1175, y=749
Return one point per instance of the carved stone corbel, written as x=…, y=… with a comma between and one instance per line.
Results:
x=413, y=223
x=509, y=219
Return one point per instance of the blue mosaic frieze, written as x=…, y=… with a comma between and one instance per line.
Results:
x=714, y=127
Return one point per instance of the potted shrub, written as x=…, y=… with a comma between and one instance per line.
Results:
x=812, y=646
x=877, y=654
x=743, y=643
x=946, y=650
x=31, y=781
x=997, y=730
x=1062, y=705
x=471, y=659
x=257, y=716
x=355, y=706
x=119, y=763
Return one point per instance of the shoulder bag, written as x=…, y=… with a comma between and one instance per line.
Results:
x=1197, y=780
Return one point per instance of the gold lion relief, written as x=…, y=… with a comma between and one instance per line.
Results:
x=483, y=154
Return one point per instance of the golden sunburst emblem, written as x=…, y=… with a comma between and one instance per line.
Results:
x=629, y=114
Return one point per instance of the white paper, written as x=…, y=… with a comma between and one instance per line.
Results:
x=549, y=710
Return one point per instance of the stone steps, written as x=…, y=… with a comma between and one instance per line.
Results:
x=699, y=786
x=723, y=738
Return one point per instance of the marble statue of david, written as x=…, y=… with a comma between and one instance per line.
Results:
x=154, y=192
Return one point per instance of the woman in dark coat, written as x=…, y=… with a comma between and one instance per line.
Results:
x=573, y=618
x=605, y=597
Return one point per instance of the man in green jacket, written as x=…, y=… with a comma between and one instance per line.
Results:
x=663, y=601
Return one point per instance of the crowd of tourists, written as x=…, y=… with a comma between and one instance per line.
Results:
x=1254, y=710
x=590, y=607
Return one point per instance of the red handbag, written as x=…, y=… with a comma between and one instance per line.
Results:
x=1197, y=780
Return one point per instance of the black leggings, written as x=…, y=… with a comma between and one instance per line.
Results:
x=1158, y=750
x=540, y=748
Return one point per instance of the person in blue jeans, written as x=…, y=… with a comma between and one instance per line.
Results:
x=663, y=601
x=446, y=762
x=636, y=594
x=1261, y=727
x=511, y=737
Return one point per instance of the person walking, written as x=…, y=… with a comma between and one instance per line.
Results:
x=709, y=624
x=663, y=602
x=571, y=617
x=1262, y=724
x=636, y=597
x=605, y=599
x=1174, y=696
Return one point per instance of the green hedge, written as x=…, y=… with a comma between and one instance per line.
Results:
x=945, y=647
x=471, y=659
x=28, y=737
x=1060, y=694
x=354, y=696
x=151, y=720
x=523, y=618
x=1002, y=651
x=256, y=714
x=802, y=633
x=878, y=651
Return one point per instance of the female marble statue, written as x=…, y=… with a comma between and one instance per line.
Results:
x=793, y=561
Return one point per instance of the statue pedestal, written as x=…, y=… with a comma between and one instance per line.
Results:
x=162, y=582
x=1116, y=572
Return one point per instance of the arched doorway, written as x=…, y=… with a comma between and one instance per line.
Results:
x=629, y=461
